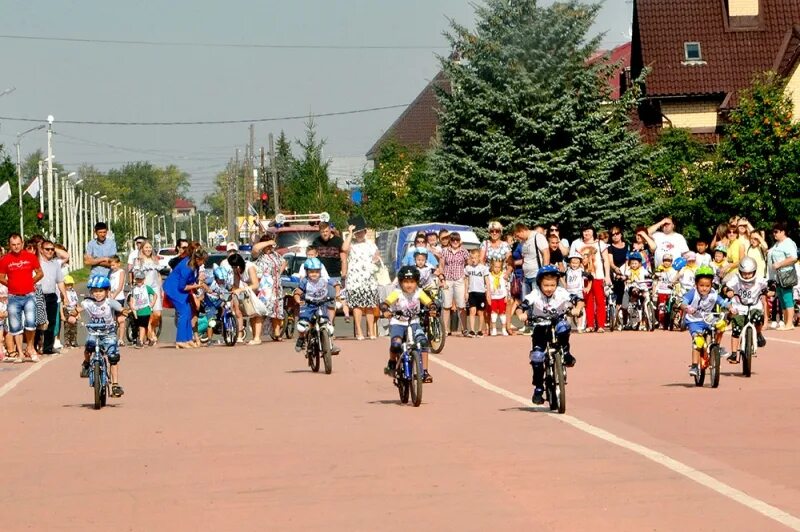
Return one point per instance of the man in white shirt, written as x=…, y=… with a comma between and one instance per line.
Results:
x=667, y=240
x=535, y=252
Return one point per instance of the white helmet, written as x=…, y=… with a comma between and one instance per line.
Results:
x=747, y=266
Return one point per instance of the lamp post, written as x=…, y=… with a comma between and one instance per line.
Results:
x=50, y=203
x=19, y=173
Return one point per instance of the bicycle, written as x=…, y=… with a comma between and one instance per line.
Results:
x=432, y=324
x=409, y=374
x=290, y=310
x=318, y=337
x=132, y=329
x=613, y=324
x=555, y=373
x=226, y=324
x=710, y=350
x=748, y=346
x=98, y=363
x=674, y=311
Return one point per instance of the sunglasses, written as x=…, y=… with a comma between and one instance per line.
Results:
x=48, y=249
x=616, y=233
x=667, y=260
x=419, y=241
x=455, y=239
x=776, y=231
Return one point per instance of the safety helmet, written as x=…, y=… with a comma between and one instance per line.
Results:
x=99, y=281
x=575, y=255
x=68, y=279
x=420, y=251
x=722, y=249
x=678, y=264
x=704, y=271
x=691, y=256
x=408, y=272
x=546, y=271
x=219, y=272
x=312, y=263
x=635, y=255
x=747, y=266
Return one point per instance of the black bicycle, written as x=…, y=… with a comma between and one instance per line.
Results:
x=555, y=373
x=318, y=337
x=432, y=324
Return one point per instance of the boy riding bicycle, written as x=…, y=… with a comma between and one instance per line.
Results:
x=100, y=310
x=311, y=292
x=701, y=300
x=745, y=289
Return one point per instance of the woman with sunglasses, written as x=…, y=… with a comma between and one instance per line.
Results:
x=619, y=250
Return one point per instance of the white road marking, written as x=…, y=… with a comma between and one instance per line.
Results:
x=687, y=471
x=773, y=339
x=10, y=385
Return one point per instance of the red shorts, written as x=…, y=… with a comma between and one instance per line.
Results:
x=498, y=306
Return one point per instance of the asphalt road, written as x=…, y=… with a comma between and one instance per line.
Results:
x=248, y=438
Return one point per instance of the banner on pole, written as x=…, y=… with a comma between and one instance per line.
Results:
x=33, y=188
x=5, y=192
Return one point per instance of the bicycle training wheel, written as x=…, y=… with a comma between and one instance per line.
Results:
x=747, y=359
x=416, y=378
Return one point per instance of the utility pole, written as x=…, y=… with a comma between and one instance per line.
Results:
x=262, y=184
x=50, y=204
x=41, y=189
x=229, y=201
x=236, y=187
x=274, y=174
x=251, y=157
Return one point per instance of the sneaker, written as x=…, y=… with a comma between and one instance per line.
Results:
x=34, y=358
x=391, y=368
x=569, y=360
x=300, y=344
x=761, y=341
x=773, y=325
x=426, y=377
x=116, y=390
x=471, y=334
x=733, y=358
x=494, y=332
x=538, y=396
x=505, y=332
x=84, y=371
x=479, y=333
x=694, y=370
x=57, y=344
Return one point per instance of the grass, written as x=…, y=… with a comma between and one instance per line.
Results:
x=80, y=276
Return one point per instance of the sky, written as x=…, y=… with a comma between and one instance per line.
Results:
x=148, y=83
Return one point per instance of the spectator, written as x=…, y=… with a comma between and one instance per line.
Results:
x=495, y=248
x=133, y=255
x=535, y=252
x=179, y=286
x=756, y=249
x=454, y=261
x=556, y=256
x=737, y=247
x=420, y=241
x=52, y=285
x=333, y=257
x=147, y=261
x=619, y=257
x=667, y=240
x=782, y=258
x=99, y=251
x=362, y=286
x=269, y=265
x=598, y=264
x=19, y=271
x=182, y=250
x=555, y=229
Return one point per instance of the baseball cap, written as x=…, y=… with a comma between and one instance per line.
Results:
x=68, y=279
x=690, y=256
x=232, y=246
x=138, y=274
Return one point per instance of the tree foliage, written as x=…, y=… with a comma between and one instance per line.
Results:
x=9, y=211
x=392, y=191
x=528, y=131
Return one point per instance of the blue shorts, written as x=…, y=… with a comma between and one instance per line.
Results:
x=698, y=327
x=108, y=345
x=308, y=310
x=21, y=314
x=399, y=331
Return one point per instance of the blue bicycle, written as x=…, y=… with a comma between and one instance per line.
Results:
x=98, y=363
x=409, y=374
x=225, y=323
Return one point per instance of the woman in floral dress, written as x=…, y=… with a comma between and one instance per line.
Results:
x=361, y=284
x=269, y=265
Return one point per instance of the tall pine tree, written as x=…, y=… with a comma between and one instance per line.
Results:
x=528, y=131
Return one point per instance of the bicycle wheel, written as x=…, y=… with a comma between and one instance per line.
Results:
x=701, y=377
x=313, y=351
x=650, y=316
x=747, y=359
x=560, y=385
x=157, y=330
x=618, y=323
x=98, y=385
x=230, y=329
x=713, y=365
x=288, y=327
x=436, y=335
x=131, y=330
x=416, y=379
x=403, y=388
x=325, y=347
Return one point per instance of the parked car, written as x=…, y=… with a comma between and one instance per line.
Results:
x=394, y=243
x=294, y=232
x=164, y=256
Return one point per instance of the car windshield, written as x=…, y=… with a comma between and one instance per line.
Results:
x=287, y=239
x=215, y=259
x=293, y=263
x=167, y=252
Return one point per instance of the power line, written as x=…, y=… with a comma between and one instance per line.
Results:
x=211, y=122
x=226, y=45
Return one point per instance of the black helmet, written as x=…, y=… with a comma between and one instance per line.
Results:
x=408, y=272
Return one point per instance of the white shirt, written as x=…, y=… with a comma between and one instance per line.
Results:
x=574, y=281
x=115, y=278
x=543, y=306
x=747, y=293
x=599, y=261
x=476, y=278
x=132, y=256
x=672, y=243
x=532, y=257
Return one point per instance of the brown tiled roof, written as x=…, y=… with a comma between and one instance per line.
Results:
x=416, y=127
x=181, y=203
x=621, y=56
x=734, y=50
x=789, y=53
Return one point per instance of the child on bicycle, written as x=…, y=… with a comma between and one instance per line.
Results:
x=574, y=280
x=313, y=291
x=100, y=310
x=666, y=276
x=141, y=301
x=402, y=307
x=700, y=300
x=636, y=279
x=746, y=289
x=498, y=288
x=216, y=290
x=547, y=299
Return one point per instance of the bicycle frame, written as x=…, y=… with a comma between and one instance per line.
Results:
x=404, y=361
x=98, y=334
x=748, y=325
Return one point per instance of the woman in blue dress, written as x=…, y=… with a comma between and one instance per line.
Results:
x=178, y=287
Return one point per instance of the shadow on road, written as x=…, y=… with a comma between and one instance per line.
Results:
x=386, y=402
x=682, y=384
x=539, y=409
x=91, y=405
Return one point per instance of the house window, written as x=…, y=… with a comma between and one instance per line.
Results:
x=691, y=51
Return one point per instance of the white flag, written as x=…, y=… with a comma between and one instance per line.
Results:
x=251, y=210
x=33, y=188
x=5, y=192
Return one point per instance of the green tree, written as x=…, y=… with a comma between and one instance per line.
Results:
x=284, y=163
x=216, y=199
x=393, y=190
x=308, y=187
x=528, y=131
x=141, y=184
x=761, y=153
x=9, y=211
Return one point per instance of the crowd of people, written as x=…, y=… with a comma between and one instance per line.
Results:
x=480, y=289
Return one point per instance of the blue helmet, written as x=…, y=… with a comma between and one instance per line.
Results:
x=99, y=281
x=312, y=263
x=546, y=271
x=219, y=272
x=635, y=255
x=420, y=251
x=678, y=264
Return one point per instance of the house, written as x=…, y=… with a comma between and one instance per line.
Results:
x=183, y=207
x=703, y=53
x=417, y=126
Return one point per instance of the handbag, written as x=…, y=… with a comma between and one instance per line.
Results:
x=382, y=275
x=252, y=305
x=516, y=287
x=786, y=278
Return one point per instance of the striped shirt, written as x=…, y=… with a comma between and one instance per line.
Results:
x=454, y=262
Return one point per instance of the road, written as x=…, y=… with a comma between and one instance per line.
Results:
x=249, y=439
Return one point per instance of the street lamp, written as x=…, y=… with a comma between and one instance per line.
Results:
x=19, y=171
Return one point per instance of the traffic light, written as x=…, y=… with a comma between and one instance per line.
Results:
x=39, y=218
x=264, y=202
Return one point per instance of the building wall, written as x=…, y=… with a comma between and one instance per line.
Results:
x=793, y=90
x=695, y=114
x=743, y=8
